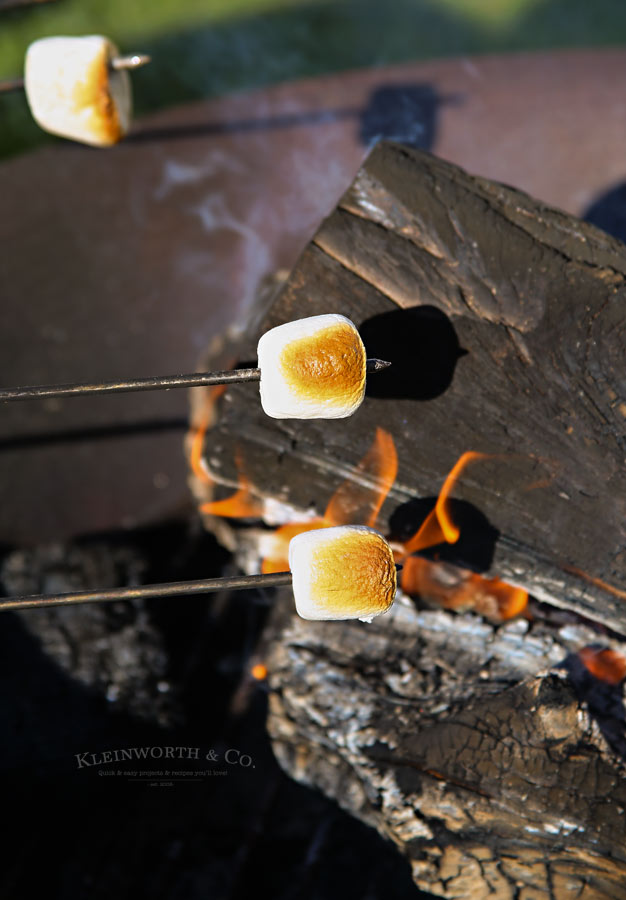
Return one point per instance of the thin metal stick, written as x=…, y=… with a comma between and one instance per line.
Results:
x=159, y=382
x=133, y=61
x=173, y=589
x=149, y=591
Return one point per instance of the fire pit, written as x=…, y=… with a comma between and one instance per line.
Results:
x=151, y=677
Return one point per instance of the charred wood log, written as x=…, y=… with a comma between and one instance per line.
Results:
x=430, y=727
x=505, y=323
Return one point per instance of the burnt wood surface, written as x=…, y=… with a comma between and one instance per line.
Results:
x=488, y=753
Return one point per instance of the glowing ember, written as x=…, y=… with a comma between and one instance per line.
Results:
x=259, y=672
x=607, y=665
x=597, y=582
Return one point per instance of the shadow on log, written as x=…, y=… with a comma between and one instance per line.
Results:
x=505, y=323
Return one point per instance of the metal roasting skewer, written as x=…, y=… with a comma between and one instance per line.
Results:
x=148, y=591
x=173, y=589
x=132, y=61
x=158, y=382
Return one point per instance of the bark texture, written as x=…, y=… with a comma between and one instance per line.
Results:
x=489, y=755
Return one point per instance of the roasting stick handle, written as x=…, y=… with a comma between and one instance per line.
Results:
x=147, y=591
x=159, y=382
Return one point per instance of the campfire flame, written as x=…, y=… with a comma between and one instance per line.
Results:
x=196, y=461
x=358, y=500
x=242, y=504
x=461, y=590
x=438, y=527
x=355, y=502
x=451, y=586
x=352, y=502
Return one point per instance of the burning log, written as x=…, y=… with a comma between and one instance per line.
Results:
x=494, y=444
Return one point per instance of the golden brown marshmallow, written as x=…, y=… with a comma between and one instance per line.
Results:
x=73, y=92
x=345, y=572
x=312, y=368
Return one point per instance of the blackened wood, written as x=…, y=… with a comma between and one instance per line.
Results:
x=505, y=321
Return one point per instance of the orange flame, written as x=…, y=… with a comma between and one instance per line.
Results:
x=277, y=557
x=199, y=433
x=242, y=504
x=259, y=672
x=451, y=586
x=607, y=665
x=349, y=505
x=450, y=531
x=460, y=589
x=438, y=525
x=354, y=503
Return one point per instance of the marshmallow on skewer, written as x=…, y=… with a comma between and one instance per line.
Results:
x=312, y=368
x=345, y=572
x=73, y=91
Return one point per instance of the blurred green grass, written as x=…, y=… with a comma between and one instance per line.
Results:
x=203, y=48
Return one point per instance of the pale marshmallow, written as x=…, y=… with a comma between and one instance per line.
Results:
x=344, y=572
x=73, y=92
x=312, y=368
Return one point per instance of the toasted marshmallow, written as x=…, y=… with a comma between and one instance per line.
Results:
x=346, y=572
x=312, y=369
x=72, y=90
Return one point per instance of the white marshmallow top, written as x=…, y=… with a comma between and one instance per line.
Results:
x=312, y=368
x=73, y=92
x=345, y=572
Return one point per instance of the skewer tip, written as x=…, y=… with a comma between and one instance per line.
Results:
x=377, y=365
x=133, y=61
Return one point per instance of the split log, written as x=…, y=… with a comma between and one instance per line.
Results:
x=504, y=320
